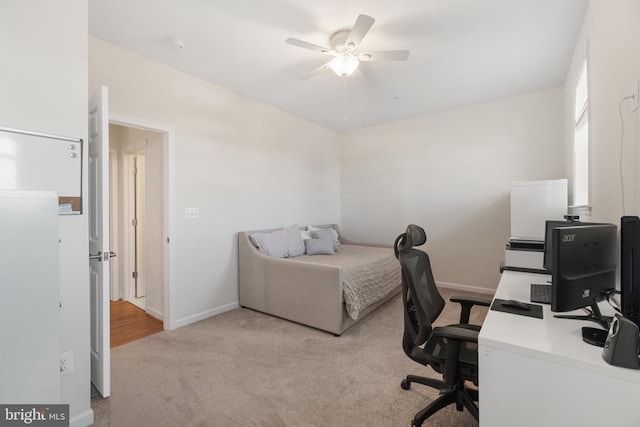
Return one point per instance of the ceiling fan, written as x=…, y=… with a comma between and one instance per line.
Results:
x=344, y=49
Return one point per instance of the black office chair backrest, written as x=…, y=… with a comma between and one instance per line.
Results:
x=423, y=302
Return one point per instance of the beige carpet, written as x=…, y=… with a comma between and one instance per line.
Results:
x=245, y=368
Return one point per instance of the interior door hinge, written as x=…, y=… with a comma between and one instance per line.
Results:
x=134, y=275
x=134, y=222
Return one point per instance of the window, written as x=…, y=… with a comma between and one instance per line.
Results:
x=581, y=141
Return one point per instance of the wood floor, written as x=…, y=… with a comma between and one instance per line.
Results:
x=130, y=323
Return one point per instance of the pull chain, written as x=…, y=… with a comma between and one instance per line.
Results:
x=344, y=99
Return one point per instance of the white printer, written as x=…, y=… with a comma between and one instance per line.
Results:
x=532, y=203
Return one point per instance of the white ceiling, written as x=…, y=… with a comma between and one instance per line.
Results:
x=462, y=51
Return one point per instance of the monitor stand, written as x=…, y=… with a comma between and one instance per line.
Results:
x=594, y=316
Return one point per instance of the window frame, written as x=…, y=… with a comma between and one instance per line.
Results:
x=581, y=170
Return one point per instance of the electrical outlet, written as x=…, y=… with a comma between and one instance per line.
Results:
x=66, y=363
x=635, y=101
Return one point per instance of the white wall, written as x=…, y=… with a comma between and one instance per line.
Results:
x=245, y=165
x=612, y=32
x=43, y=82
x=451, y=173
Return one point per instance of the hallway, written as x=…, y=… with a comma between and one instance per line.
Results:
x=130, y=323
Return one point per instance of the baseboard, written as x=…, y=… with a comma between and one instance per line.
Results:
x=83, y=419
x=466, y=288
x=206, y=314
x=155, y=313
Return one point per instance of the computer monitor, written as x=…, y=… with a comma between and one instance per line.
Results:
x=583, y=269
x=549, y=225
x=570, y=221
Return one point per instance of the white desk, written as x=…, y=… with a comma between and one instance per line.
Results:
x=539, y=372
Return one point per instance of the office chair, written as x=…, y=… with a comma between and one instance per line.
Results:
x=450, y=350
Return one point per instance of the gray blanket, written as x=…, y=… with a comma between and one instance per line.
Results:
x=369, y=274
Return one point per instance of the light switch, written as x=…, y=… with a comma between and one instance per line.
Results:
x=191, y=213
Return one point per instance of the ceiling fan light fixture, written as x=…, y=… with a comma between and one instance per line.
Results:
x=344, y=49
x=344, y=65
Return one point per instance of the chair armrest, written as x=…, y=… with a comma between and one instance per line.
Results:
x=456, y=333
x=467, y=303
x=472, y=300
x=455, y=336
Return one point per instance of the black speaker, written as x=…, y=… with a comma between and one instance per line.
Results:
x=630, y=267
x=623, y=344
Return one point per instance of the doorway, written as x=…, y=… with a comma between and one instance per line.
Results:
x=100, y=203
x=137, y=217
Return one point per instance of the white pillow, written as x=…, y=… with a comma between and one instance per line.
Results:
x=273, y=244
x=280, y=243
x=295, y=244
x=333, y=230
x=335, y=236
x=305, y=234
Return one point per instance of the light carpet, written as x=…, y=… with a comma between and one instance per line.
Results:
x=245, y=368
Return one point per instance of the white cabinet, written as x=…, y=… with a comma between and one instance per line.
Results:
x=29, y=298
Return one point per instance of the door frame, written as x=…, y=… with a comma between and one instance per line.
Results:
x=114, y=229
x=168, y=185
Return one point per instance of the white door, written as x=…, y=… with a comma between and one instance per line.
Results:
x=99, y=240
x=141, y=226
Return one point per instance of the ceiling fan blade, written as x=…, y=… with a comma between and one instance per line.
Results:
x=384, y=55
x=359, y=30
x=316, y=71
x=307, y=45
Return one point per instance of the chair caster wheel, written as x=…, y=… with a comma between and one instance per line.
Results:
x=406, y=385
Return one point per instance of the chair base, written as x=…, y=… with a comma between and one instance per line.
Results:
x=462, y=396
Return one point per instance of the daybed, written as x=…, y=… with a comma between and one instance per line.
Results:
x=328, y=292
